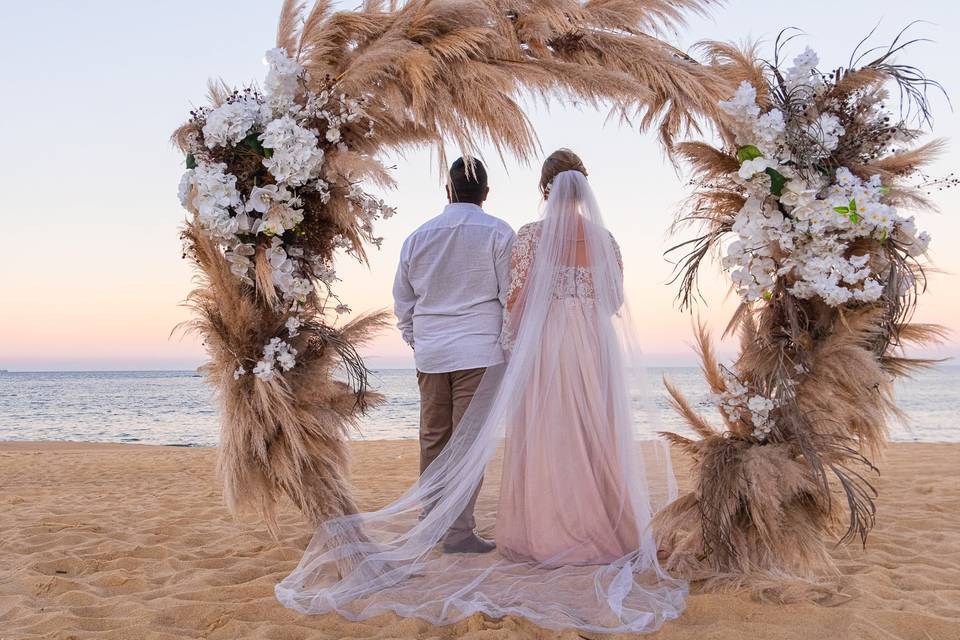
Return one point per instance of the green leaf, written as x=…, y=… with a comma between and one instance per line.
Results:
x=884, y=190
x=777, y=181
x=267, y=152
x=748, y=152
x=843, y=210
x=254, y=143
x=854, y=211
x=191, y=161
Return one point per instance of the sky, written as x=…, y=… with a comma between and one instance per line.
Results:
x=91, y=273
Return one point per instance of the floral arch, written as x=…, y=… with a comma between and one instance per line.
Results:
x=275, y=185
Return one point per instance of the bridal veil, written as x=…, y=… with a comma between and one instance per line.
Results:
x=561, y=408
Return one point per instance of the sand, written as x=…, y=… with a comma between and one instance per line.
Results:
x=122, y=541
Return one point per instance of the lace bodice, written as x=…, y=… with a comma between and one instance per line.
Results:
x=573, y=283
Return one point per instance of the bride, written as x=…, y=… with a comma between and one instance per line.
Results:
x=578, y=484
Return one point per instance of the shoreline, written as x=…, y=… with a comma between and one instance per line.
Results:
x=79, y=444
x=132, y=541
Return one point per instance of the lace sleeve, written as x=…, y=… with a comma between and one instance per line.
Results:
x=616, y=250
x=520, y=260
x=618, y=302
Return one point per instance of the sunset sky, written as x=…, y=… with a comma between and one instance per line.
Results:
x=92, y=274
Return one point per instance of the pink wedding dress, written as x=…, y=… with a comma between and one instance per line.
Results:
x=579, y=482
x=563, y=501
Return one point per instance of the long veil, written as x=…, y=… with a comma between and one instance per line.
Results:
x=570, y=335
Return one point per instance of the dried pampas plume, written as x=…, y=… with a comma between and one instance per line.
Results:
x=428, y=72
x=768, y=497
x=455, y=70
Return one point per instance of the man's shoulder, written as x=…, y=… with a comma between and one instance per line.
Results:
x=474, y=217
x=432, y=223
x=501, y=227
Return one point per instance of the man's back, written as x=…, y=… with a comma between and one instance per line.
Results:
x=450, y=289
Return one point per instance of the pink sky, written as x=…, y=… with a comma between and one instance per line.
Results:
x=92, y=275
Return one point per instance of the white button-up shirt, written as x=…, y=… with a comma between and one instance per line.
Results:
x=450, y=289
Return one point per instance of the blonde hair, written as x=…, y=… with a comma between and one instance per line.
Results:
x=559, y=161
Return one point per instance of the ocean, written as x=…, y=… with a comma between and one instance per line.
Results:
x=176, y=407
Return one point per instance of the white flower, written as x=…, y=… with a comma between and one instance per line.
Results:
x=871, y=292
x=264, y=370
x=744, y=101
x=803, y=72
x=231, y=122
x=240, y=263
x=796, y=193
x=743, y=111
x=760, y=404
x=826, y=131
x=262, y=198
x=276, y=255
x=333, y=135
x=286, y=358
x=293, y=325
x=216, y=189
x=769, y=130
x=752, y=167
x=240, y=371
x=279, y=218
x=296, y=158
x=917, y=244
x=275, y=352
x=215, y=194
x=183, y=191
x=281, y=81
x=246, y=224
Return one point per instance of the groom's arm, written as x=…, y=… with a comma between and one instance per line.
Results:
x=404, y=298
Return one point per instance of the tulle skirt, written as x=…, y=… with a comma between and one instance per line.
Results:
x=563, y=497
x=567, y=494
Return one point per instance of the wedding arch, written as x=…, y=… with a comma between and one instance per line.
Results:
x=275, y=185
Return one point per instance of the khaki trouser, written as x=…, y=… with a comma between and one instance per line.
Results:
x=444, y=397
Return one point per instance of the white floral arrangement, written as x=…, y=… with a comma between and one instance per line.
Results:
x=805, y=218
x=802, y=204
x=803, y=201
x=258, y=176
x=739, y=404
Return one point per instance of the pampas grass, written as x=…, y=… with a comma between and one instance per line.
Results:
x=762, y=511
x=456, y=70
x=429, y=72
x=288, y=435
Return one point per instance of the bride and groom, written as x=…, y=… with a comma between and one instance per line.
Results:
x=522, y=344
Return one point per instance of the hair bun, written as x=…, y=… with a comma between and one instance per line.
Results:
x=559, y=161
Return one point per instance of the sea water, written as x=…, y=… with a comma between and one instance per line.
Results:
x=178, y=408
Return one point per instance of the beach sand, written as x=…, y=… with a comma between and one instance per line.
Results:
x=123, y=541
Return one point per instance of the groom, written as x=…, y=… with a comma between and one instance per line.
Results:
x=449, y=293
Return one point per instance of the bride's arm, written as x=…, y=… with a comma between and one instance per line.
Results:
x=520, y=259
x=619, y=292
